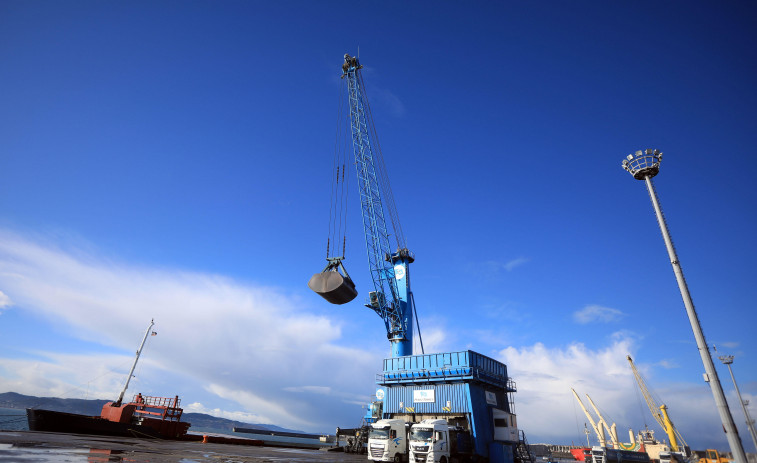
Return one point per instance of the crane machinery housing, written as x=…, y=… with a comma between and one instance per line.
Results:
x=470, y=392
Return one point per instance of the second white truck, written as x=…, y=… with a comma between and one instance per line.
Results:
x=388, y=440
x=435, y=441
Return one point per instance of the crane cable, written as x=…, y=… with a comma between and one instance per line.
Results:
x=381, y=171
x=641, y=407
x=339, y=192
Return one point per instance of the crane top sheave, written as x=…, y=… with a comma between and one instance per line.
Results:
x=391, y=297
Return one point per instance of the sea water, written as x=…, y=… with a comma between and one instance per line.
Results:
x=13, y=419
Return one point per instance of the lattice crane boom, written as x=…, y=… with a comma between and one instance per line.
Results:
x=659, y=412
x=391, y=299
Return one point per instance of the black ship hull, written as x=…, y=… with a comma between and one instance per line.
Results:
x=52, y=421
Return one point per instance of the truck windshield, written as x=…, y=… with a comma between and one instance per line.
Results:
x=379, y=433
x=422, y=434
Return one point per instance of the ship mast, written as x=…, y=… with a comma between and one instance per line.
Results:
x=131, y=372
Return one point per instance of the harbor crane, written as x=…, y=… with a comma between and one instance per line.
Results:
x=391, y=297
x=613, y=430
x=597, y=426
x=659, y=412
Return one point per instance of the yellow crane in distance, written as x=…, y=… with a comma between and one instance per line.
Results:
x=659, y=412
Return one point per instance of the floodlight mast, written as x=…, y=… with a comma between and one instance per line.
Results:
x=728, y=360
x=644, y=165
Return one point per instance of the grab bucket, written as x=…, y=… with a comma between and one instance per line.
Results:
x=333, y=286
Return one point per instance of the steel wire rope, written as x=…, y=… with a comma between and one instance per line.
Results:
x=417, y=323
x=381, y=170
x=638, y=399
x=334, y=180
x=657, y=414
x=139, y=371
x=386, y=188
x=575, y=414
x=344, y=194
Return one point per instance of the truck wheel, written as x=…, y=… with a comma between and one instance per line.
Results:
x=397, y=459
x=443, y=459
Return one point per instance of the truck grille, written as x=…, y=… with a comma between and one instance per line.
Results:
x=377, y=452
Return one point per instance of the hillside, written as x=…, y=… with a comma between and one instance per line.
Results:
x=94, y=406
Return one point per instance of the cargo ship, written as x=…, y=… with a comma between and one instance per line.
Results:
x=144, y=416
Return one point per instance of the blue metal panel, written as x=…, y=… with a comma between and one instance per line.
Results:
x=501, y=452
x=455, y=394
x=444, y=367
x=473, y=399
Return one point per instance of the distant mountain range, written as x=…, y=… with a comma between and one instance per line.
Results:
x=94, y=407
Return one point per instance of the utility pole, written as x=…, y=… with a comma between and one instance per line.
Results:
x=728, y=360
x=644, y=165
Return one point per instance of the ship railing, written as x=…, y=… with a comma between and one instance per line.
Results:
x=162, y=402
x=164, y=407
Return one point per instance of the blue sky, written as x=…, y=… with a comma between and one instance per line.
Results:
x=172, y=160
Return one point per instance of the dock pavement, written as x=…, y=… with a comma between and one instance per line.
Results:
x=45, y=447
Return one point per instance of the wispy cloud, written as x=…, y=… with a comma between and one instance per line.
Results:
x=729, y=345
x=380, y=96
x=668, y=364
x=597, y=313
x=5, y=301
x=254, y=345
x=510, y=265
x=494, y=267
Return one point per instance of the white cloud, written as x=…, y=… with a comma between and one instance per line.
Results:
x=668, y=364
x=730, y=345
x=323, y=390
x=597, y=313
x=197, y=407
x=49, y=374
x=251, y=344
x=548, y=412
x=258, y=350
x=5, y=301
x=510, y=265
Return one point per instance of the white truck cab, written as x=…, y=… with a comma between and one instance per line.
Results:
x=387, y=440
x=430, y=442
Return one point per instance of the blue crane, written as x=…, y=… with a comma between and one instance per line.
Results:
x=391, y=297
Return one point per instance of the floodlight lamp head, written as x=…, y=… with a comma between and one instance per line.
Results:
x=643, y=164
x=726, y=359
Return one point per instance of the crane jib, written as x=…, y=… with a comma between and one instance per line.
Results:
x=391, y=297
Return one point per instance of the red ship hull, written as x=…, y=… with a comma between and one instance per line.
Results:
x=152, y=417
x=581, y=454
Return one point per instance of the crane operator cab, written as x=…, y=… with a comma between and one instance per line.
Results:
x=331, y=285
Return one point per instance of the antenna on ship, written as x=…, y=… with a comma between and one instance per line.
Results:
x=117, y=403
x=644, y=165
